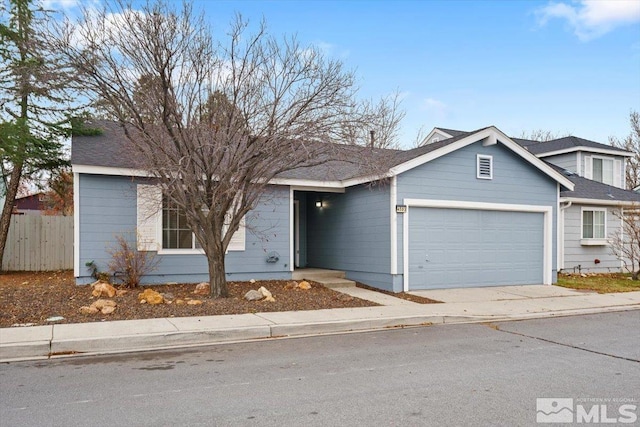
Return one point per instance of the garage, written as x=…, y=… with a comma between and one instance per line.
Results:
x=454, y=248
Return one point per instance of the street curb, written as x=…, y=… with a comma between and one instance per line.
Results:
x=113, y=343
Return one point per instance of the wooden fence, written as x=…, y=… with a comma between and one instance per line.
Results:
x=39, y=243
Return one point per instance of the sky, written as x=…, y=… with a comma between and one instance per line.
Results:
x=568, y=67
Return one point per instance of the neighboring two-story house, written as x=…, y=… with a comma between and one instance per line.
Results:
x=588, y=215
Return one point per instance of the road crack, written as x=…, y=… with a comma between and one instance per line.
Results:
x=497, y=328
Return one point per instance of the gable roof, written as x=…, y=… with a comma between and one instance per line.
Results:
x=573, y=143
x=108, y=153
x=562, y=145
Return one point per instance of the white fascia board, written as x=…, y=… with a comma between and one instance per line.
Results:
x=108, y=170
x=435, y=132
x=484, y=206
x=491, y=134
x=602, y=202
x=587, y=149
x=301, y=184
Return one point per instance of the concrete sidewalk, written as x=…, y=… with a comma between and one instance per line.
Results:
x=459, y=306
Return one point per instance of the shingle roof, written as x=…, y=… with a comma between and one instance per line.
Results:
x=452, y=132
x=589, y=189
x=111, y=149
x=537, y=147
x=569, y=142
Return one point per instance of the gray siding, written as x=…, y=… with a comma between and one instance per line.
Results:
x=575, y=254
x=351, y=233
x=108, y=209
x=453, y=177
x=568, y=161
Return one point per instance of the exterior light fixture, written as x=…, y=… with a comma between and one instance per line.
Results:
x=318, y=203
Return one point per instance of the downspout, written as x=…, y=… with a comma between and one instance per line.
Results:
x=561, y=226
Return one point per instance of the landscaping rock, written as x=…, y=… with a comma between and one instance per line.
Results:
x=88, y=309
x=179, y=302
x=252, y=281
x=55, y=318
x=103, y=289
x=121, y=292
x=291, y=285
x=253, y=295
x=102, y=303
x=194, y=302
x=202, y=289
x=108, y=310
x=265, y=292
x=304, y=285
x=151, y=297
x=168, y=295
x=270, y=299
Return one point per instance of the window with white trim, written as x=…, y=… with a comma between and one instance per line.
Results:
x=163, y=227
x=484, y=166
x=602, y=170
x=176, y=233
x=593, y=223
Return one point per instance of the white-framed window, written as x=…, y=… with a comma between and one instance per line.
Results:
x=484, y=166
x=594, y=223
x=602, y=170
x=607, y=170
x=176, y=233
x=163, y=227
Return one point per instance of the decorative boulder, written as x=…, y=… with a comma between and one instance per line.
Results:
x=107, y=310
x=270, y=299
x=304, y=285
x=103, y=289
x=88, y=309
x=291, y=285
x=253, y=295
x=194, y=302
x=102, y=303
x=151, y=297
x=202, y=289
x=265, y=292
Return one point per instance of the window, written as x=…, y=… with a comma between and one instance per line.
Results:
x=176, y=234
x=593, y=224
x=484, y=167
x=602, y=170
x=163, y=227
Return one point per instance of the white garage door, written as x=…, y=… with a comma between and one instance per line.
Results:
x=454, y=248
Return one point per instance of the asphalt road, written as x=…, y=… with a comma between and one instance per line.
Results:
x=441, y=375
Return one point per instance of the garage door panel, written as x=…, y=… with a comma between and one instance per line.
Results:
x=464, y=248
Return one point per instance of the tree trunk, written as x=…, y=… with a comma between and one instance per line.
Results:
x=217, y=276
x=5, y=219
x=634, y=275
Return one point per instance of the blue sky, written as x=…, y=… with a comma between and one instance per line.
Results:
x=564, y=66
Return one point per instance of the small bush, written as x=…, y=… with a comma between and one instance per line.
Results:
x=129, y=263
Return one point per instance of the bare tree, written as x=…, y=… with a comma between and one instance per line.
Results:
x=631, y=143
x=625, y=243
x=228, y=116
x=541, y=135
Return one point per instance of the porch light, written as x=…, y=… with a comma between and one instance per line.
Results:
x=318, y=203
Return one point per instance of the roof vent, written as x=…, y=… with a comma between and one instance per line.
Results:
x=484, y=167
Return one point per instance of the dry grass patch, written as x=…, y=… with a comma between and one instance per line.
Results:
x=601, y=283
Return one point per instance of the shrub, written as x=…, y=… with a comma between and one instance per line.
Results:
x=130, y=263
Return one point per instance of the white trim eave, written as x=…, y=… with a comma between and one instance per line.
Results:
x=587, y=149
x=601, y=202
x=434, y=132
x=299, y=184
x=108, y=170
x=491, y=135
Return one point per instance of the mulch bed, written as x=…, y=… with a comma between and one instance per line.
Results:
x=31, y=298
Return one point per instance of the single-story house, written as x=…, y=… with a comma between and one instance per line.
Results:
x=474, y=209
x=589, y=214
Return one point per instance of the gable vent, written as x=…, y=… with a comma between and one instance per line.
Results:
x=484, y=167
